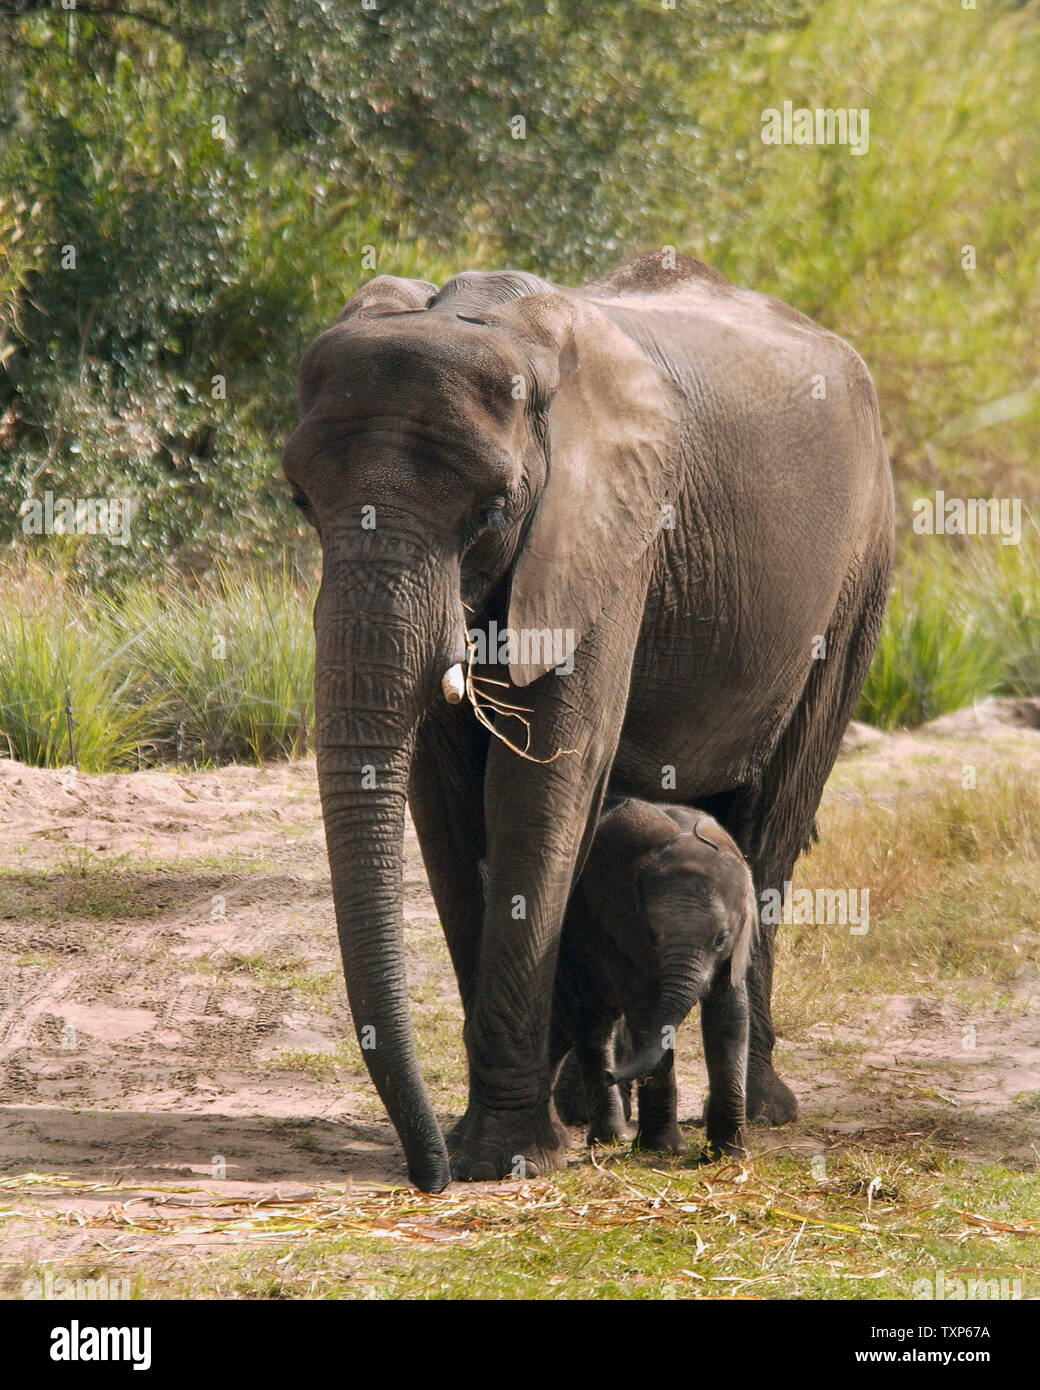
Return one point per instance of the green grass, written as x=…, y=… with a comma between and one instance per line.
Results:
x=52, y=647
x=319, y=1066
x=961, y=625
x=102, y=894
x=952, y=879
x=637, y=1233
x=872, y=1224
x=927, y=663
x=1010, y=611
x=295, y=974
x=218, y=673
x=228, y=669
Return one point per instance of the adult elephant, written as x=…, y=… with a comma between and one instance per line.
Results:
x=688, y=478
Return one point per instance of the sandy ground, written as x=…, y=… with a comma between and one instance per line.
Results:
x=172, y=1016
x=921, y=1066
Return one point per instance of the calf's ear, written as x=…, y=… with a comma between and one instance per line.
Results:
x=747, y=932
x=387, y=294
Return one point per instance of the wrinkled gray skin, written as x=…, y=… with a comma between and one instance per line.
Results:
x=663, y=917
x=644, y=462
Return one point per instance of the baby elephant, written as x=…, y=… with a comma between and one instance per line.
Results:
x=662, y=918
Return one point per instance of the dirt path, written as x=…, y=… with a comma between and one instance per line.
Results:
x=167, y=939
x=172, y=1013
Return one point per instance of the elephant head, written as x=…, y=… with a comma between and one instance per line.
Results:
x=446, y=444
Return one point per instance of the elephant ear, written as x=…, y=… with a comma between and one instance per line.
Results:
x=387, y=294
x=746, y=933
x=612, y=435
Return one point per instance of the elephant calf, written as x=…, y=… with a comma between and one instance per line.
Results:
x=662, y=918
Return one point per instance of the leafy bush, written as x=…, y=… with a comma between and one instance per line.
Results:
x=924, y=252
x=223, y=184
x=130, y=372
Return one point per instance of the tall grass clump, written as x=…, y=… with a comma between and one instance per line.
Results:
x=227, y=669
x=51, y=647
x=218, y=673
x=928, y=661
x=1010, y=611
x=958, y=629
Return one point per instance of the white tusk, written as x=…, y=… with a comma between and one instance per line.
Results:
x=453, y=684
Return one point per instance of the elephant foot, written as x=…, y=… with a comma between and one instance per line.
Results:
x=609, y=1129
x=725, y=1123
x=713, y=1153
x=769, y=1100
x=661, y=1139
x=725, y=1137
x=485, y=1147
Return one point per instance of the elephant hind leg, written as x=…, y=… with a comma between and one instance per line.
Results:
x=776, y=821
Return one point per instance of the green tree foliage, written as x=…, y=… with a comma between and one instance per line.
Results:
x=362, y=140
x=188, y=195
x=553, y=131
x=925, y=252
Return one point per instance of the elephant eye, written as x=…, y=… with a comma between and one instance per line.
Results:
x=490, y=512
x=299, y=498
x=721, y=941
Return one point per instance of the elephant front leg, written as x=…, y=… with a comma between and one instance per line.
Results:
x=510, y=1127
x=583, y=1029
x=540, y=814
x=445, y=794
x=724, y=1028
x=606, y=1109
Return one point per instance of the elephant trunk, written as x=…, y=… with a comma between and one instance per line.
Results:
x=684, y=983
x=378, y=658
